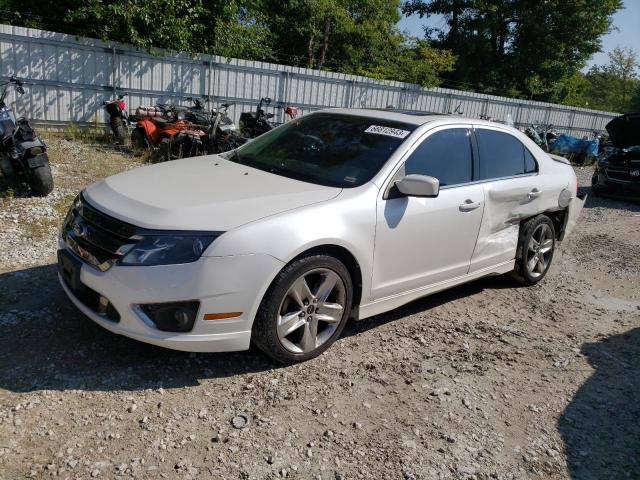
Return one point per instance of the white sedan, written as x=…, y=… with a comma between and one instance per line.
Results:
x=337, y=214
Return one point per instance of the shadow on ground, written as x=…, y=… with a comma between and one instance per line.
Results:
x=48, y=344
x=594, y=201
x=601, y=425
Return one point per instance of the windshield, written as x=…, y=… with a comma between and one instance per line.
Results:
x=329, y=149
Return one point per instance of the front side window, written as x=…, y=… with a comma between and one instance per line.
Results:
x=445, y=155
x=502, y=155
x=325, y=148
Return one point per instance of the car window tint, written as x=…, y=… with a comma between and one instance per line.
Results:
x=330, y=149
x=501, y=154
x=530, y=164
x=445, y=155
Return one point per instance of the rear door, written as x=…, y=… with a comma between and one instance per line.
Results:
x=508, y=173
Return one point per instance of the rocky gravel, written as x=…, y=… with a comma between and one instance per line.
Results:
x=485, y=381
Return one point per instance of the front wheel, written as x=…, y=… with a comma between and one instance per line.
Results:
x=120, y=131
x=305, y=309
x=536, y=245
x=139, y=138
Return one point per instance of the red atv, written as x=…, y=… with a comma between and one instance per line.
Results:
x=165, y=127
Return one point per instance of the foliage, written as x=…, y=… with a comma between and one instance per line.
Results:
x=522, y=47
x=614, y=87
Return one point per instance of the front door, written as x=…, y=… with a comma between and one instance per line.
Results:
x=424, y=241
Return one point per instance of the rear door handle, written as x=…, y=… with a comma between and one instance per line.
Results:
x=468, y=205
x=535, y=193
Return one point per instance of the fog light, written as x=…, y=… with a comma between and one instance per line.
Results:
x=173, y=316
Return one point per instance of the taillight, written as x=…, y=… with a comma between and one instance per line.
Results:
x=121, y=104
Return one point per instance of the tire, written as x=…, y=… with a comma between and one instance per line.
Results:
x=120, y=131
x=537, y=240
x=41, y=180
x=163, y=152
x=139, y=139
x=282, y=305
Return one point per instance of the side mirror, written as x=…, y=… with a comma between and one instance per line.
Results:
x=418, y=186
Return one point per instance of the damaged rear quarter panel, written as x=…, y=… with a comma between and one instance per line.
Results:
x=507, y=203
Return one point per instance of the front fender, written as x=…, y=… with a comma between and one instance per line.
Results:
x=348, y=221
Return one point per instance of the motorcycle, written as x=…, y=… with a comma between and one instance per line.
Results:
x=23, y=155
x=543, y=135
x=118, y=117
x=222, y=134
x=254, y=124
x=166, y=128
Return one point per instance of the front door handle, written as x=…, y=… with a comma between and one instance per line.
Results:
x=535, y=193
x=469, y=205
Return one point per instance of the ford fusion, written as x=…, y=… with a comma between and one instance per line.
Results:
x=337, y=214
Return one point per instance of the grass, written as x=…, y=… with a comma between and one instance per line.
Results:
x=40, y=228
x=62, y=205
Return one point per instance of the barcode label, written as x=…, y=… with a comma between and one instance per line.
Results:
x=388, y=131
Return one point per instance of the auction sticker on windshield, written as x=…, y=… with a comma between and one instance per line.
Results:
x=390, y=132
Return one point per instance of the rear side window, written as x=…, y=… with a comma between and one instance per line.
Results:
x=445, y=155
x=502, y=155
x=530, y=165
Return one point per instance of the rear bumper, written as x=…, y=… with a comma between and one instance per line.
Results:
x=575, y=209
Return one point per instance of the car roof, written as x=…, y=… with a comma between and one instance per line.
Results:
x=411, y=117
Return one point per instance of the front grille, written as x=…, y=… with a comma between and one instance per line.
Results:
x=97, y=238
x=623, y=175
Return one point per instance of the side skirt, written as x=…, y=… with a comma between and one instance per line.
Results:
x=394, y=301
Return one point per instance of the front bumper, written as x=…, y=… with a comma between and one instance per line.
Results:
x=221, y=284
x=608, y=185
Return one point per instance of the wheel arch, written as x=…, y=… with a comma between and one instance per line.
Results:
x=346, y=257
x=558, y=218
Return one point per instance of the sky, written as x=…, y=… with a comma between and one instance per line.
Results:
x=626, y=31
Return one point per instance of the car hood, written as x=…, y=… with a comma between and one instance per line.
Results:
x=624, y=131
x=202, y=193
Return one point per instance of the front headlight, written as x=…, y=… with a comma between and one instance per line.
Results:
x=168, y=249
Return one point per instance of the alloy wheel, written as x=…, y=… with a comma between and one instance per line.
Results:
x=539, y=250
x=311, y=310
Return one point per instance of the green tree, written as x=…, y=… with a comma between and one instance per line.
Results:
x=519, y=47
x=350, y=36
x=612, y=86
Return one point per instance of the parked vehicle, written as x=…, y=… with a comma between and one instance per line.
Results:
x=197, y=113
x=222, y=134
x=273, y=242
x=118, y=117
x=544, y=135
x=617, y=172
x=166, y=128
x=23, y=154
x=254, y=124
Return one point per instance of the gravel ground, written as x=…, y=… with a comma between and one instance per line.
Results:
x=485, y=381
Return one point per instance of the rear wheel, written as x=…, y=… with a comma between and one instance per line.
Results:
x=41, y=180
x=536, y=246
x=305, y=309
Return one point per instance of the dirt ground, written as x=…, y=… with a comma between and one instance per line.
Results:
x=485, y=381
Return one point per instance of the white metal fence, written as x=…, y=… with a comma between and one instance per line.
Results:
x=69, y=78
